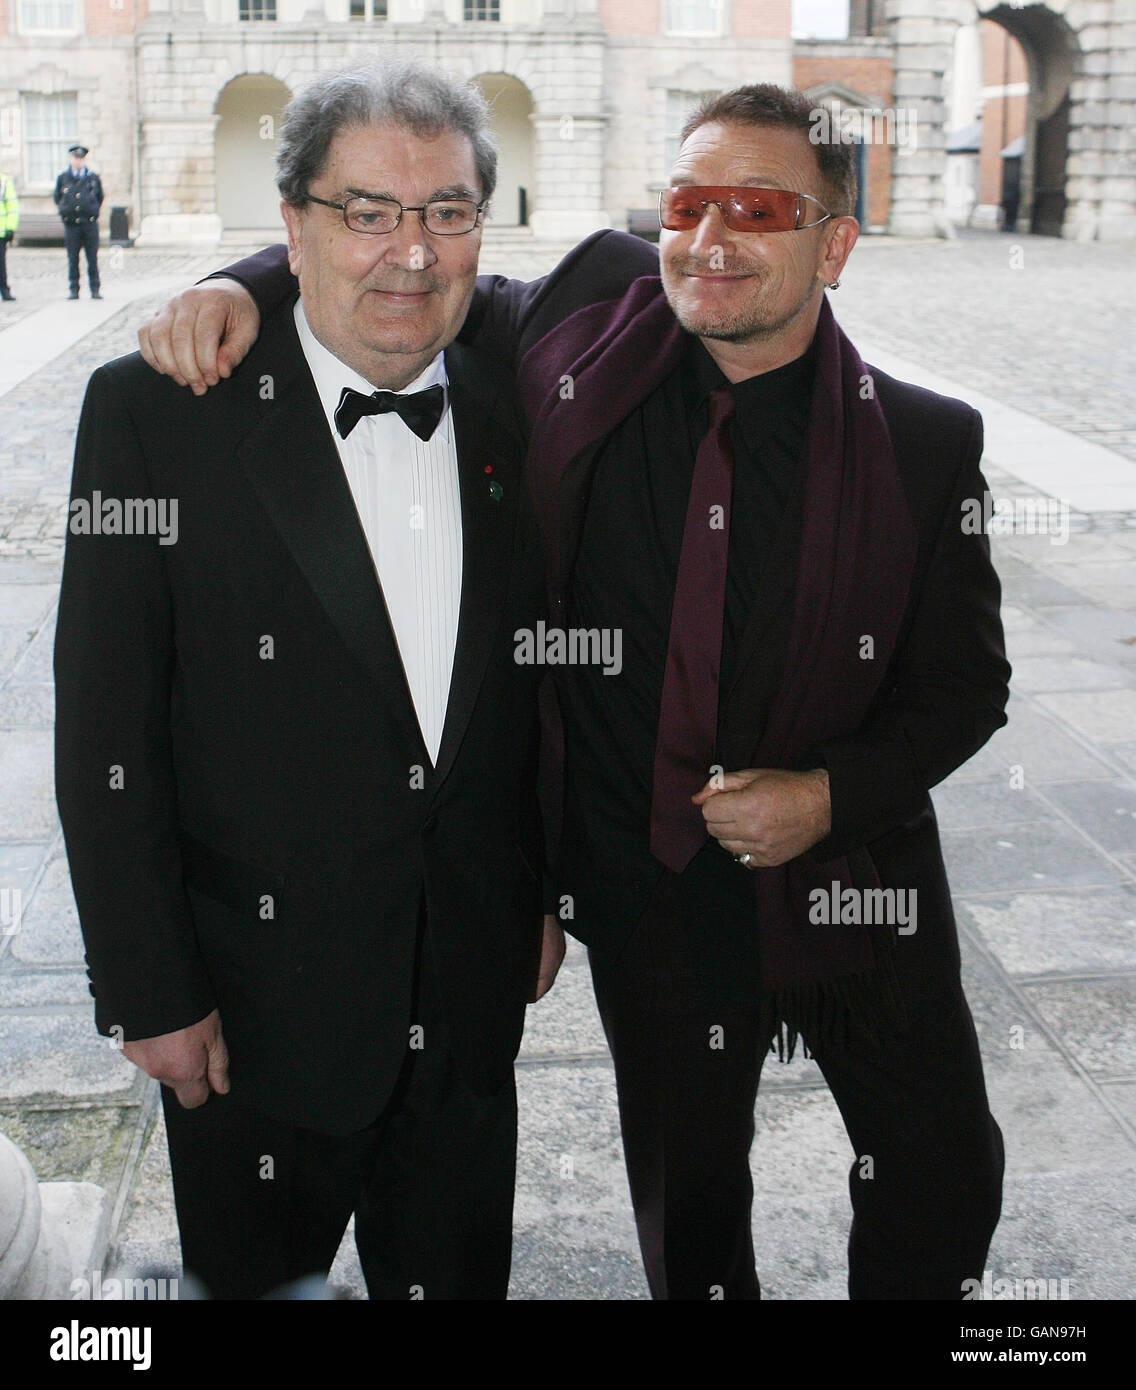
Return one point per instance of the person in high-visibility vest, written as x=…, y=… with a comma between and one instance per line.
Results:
x=9, y=221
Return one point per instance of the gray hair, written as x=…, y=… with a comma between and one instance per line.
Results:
x=408, y=94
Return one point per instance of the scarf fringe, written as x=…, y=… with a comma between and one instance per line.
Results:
x=831, y=1013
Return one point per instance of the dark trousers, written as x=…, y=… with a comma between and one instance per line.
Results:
x=924, y=1207
x=3, y=264
x=84, y=236
x=261, y=1203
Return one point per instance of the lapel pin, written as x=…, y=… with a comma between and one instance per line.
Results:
x=495, y=489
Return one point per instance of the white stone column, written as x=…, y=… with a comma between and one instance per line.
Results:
x=179, y=198
x=569, y=160
x=35, y=1260
x=922, y=54
x=1100, y=171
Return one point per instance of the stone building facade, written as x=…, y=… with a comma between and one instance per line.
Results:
x=180, y=99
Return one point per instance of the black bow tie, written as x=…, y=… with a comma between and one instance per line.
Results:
x=421, y=410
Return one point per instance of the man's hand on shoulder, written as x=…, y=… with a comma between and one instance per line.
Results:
x=202, y=333
x=193, y=1060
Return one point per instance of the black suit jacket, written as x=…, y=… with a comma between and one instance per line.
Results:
x=946, y=687
x=278, y=822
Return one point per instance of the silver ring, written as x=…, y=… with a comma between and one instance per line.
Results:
x=744, y=859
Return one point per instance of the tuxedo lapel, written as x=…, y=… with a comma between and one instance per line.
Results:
x=490, y=479
x=291, y=461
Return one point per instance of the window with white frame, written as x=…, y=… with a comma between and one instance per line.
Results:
x=679, y=106
x=250, y=10
x=49, y=16
x=485, y=11
x=368, y=9
x=50, y=126
x=693, y=16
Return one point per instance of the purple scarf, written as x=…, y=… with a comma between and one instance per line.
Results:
x=820, y=981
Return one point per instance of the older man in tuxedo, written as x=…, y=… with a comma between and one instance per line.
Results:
x=296, y=760
x=811, y=641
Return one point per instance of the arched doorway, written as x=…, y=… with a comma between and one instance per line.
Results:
x=248, y=110
x=511, y=104
x=1076, y=138
x=1049, y=47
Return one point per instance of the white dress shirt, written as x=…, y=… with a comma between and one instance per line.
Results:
x=409, y=502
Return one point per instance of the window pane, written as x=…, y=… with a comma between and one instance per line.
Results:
x=50, y=125
x=48, y=14
x=679, y=106
x=691, y=16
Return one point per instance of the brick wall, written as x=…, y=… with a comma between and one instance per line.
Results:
x=750, y=19
x=872, y=77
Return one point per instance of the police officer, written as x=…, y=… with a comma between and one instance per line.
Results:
x=9, y=221
x=79, y=196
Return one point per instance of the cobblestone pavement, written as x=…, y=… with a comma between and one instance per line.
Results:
x=1045, y=325
x=1039, y=830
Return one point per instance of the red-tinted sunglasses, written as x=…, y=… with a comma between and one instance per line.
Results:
x=743, y=209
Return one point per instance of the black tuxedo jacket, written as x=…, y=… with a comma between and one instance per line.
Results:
x=251, y=816
x=947, y=684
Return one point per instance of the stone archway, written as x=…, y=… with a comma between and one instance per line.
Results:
x=1078, y=177
x=511, y=107
x=248, y=112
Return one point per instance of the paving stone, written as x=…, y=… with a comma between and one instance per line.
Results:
x=1107, y=810
x=76, y=1144
x=1051, y=1119
x=37, y=988
x=20, y=862
x=1104, y=717
x=35, y=667
x=1095, y=1018
x=14, y=642
x=148, y=1218
x=1057, y=933
x=1056, y=673
x=1036, y=641
x=1043, y=855
x=59, y=1056
x=1123, y=1095
x=50, y=932
x=27, y=786
x=1036, y=743
x=26, y=605
x=1098, y=631
x=27, y=706
x=963, y=805
x=1075, y=1225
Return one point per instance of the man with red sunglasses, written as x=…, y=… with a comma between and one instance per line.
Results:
x=810, y=642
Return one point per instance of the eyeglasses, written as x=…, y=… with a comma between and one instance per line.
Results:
x=743, y=209
x=377, y=216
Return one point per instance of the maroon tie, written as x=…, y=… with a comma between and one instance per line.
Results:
x=688, y=711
